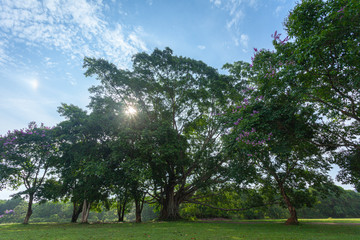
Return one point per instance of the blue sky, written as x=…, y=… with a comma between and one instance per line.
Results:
x=43, y=43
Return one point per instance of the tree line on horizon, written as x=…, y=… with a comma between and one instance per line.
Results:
x=344, y=204
x=174, y=131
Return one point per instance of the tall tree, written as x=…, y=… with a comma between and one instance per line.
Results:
x=277, y=136
x=81, y=167
x=176, y=97
x=320, y=65
x=28, y=153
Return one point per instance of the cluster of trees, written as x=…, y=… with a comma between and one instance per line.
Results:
x=62, y=211
x=340, y=204
x=173, y=130
x=344, y=204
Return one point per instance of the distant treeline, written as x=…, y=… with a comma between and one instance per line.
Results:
x=344, y=204
x=62, y=212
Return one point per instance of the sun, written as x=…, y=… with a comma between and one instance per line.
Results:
x=130, y=110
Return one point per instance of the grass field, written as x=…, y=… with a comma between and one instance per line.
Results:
x=322, y=220
x=181, y=230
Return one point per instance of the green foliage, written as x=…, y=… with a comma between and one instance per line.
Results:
x=276, y=137
x=82, y=165
x=216, y=203
x=320, y=66
x=339, y=204
x=24, y=154
x=173, y=136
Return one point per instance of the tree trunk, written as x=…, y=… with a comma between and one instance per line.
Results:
x=29, y=210
x=121, y=207
x=137, y=213
x=85, y=211
x=138, y=209
x=292, y=220
x=170, y=207
x=76, y=212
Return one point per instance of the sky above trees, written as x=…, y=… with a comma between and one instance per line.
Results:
x=43, y=43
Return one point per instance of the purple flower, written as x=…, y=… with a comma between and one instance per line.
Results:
x=8, y=211
x=341, y=10
x=276, y=36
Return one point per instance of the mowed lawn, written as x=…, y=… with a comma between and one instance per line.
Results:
x=180, y=230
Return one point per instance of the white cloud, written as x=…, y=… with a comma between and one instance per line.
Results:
x=4, y=57
x=76, y=28
x=201, y=47
x=216, y=2
x=236, y=16
x=236, y=10
x=244, y=39
x=48, y=62
x=278, y=10
x=71, y=79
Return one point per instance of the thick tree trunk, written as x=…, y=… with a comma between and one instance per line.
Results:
x=139, y=203
x=292, y=220
x=137, y=213
x=29, y=210
x=85, y=211
x=170, y=207
x=77, y=209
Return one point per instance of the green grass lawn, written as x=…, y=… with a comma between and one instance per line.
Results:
x=179, y=230
x=322, y=220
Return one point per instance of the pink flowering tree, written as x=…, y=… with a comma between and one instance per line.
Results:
x=274, y=139
x=26, y=155
x=318, y=63
x=310, y=82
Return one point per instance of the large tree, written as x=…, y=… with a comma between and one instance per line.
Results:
x=27, y=153
x=82, y=166
x=320, y=65
x=276, y=137
x=176, y=97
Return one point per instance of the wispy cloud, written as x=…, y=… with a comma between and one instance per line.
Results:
x=4, y=56
x=77, y=28
x=216, y=2
x=201, y=47
x=235, y=9
x=244, y=39
x=278, y=10
x=236, y=12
